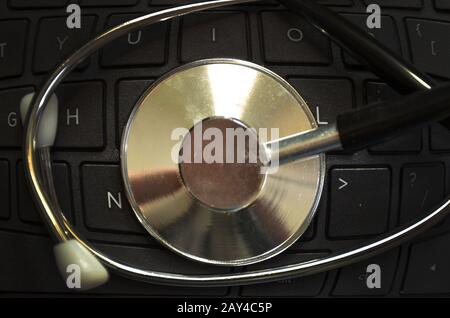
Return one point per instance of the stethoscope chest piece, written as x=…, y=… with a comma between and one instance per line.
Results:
x=229, y=206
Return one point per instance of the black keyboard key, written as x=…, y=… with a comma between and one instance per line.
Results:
x=138, y=48
x=422, y=188
x=13, y=35
x=105, y=202
x=4, y=190
x=386, y=35
x=409, y=142
x=128, y=93
x=305, y=286
x=439, y=137
x=108, y=3
x=80, y=115
x=55, y=41
x=214, y=35
x=442, y=4
x=428, y=267
x=373, y=277
x=11, y=123
x=407, y=4
x=289, y=39
x=31, y=4
x=359, y=202
x=378, y=92
x=28, y=211
x=326, y=98
x=430, y=47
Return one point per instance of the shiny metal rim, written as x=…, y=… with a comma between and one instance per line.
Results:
x=233, y=245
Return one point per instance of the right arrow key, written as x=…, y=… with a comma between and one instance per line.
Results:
x=359, y=204
x=343, y=184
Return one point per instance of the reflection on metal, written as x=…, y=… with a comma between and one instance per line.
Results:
x=197, y=224
x=305, y=144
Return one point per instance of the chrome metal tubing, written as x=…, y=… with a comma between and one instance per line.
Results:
x=47, y=179
x=333, y=261
x=305, y=144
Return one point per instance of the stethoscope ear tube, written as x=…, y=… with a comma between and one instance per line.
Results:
x=370, y=125
x=38, y=162
x=399, y=73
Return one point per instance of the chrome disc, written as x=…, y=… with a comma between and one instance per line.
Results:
x=226, y=214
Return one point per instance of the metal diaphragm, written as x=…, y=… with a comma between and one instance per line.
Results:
x=228, y=213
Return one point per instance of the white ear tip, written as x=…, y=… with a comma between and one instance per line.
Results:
x=49, y=121
x=80, y=269
x=25, y=105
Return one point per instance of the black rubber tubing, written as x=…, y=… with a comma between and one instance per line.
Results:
x=388, y=65
x=369, y=125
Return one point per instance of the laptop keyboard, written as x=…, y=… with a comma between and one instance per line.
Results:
x=365, y=194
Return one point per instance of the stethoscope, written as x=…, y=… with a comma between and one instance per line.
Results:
x=274, y=228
